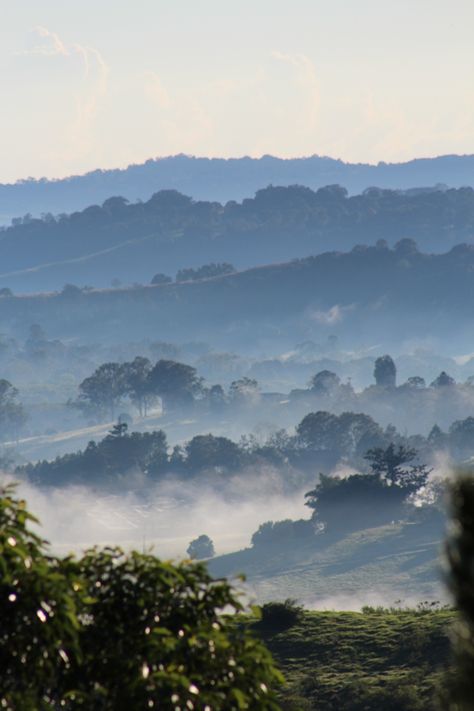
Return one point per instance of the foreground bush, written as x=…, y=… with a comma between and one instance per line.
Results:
x=119, y=632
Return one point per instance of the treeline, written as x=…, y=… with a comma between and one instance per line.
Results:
x=139, y=383
x=321, y=442
x=176, y=384
x=207, y=271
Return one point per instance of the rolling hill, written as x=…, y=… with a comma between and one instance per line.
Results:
x=356, y=295
x=129, y=243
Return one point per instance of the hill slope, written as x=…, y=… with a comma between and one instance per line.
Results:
x=357, y=295
x=131, y=242
x=374, y=566
x=390, y=660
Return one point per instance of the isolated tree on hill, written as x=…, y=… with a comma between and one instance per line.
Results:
x=385, y=372
x=175, y=383
x=161, y=279
x=200, y=548
x=104, y=388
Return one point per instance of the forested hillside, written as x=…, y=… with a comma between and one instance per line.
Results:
x=363, y=296
x=131, y=242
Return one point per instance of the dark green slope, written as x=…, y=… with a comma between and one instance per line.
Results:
x=378, y=660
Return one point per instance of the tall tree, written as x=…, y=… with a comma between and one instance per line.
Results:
x=137, y=383
x=385, y=372
x=175, y=383
x=12, y=413
x=104, y=388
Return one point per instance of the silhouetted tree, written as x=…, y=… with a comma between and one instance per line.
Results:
x=104, y=388
x=324, y=382
x=396, y=466
x=443, y=380
x=175, y=383
x=206, y=451
x=12, y=413
x=385, y=372
x=161, y=279
x=136, y=379
x=200, y=548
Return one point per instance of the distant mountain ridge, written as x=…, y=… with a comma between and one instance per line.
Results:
x=225, y=179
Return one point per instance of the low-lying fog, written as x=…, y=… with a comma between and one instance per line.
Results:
x=165, y=517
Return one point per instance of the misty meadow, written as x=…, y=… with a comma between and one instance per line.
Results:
x=236, y=356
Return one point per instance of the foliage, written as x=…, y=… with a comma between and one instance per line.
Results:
x=175, y=383
x=396, y=466
x=12, y=412
x=161, y=279
x=282, y=533
x=460, y=552
x=280, y=615
x=104, y=388
x=385, y=372
x=350, y=434
x=38, y=613
x=376, y=497
x=119, y=454
x=205, y=272
x=113, y=631
x=200, y=548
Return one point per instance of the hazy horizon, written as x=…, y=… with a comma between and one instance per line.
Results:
x=243, y=156
x=310, y=78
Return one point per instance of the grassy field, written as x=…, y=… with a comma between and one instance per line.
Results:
x=375, y=660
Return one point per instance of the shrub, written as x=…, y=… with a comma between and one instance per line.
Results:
x=280, y=615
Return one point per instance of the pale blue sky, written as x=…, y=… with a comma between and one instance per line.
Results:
x=104, y=83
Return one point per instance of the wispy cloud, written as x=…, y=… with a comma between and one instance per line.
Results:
x=87, y=91
x=44, y=42
x=333, y=315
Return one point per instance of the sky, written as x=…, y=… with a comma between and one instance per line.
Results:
x=91, y=84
